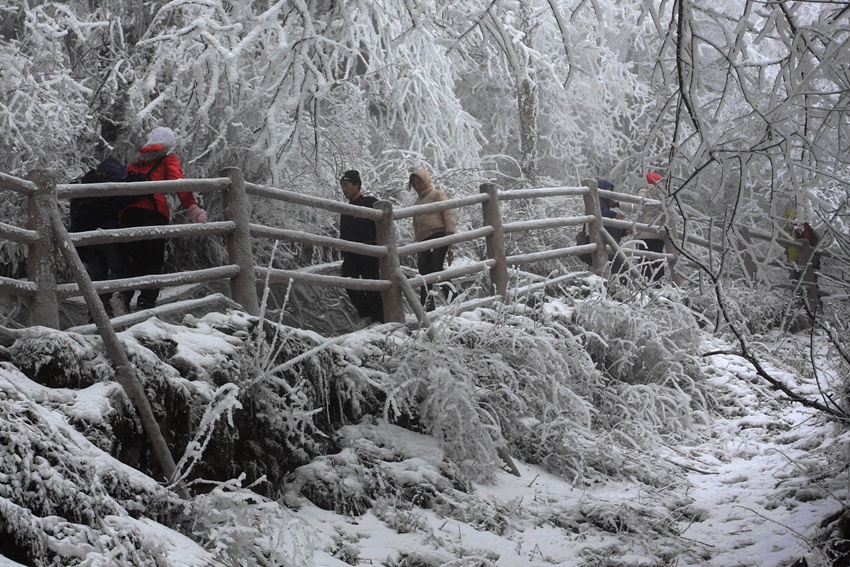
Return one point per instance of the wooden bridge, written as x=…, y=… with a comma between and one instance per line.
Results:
x=46, y=239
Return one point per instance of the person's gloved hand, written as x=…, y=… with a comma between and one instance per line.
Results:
x=450, y=256
x=197, y=214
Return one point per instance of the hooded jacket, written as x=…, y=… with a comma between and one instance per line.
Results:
x=167, y=169
x=429, y=224
x=649, y=214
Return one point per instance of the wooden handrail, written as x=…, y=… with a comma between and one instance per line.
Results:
x=440, y=206
x=12, y=183
x=540, y=224
x=534, y=257
x=18, y=287
x=542, y=192
x=115, y=235
x=451, y=273
x=120, y=188
x=154, y=280
x=19, y=235
x=449, y=240
x=311, y=201
x=277, y=275
x=261, y=231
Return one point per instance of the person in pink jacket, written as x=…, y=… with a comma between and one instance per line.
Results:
x=157, y=161
x=429, y=226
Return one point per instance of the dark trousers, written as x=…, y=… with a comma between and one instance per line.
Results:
x=428, y=262
x=367, y=303
x=105, y=262
x=653, y=270
x=146, y=257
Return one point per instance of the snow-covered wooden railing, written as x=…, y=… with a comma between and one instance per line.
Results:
x=42, y=291
x=395, y=286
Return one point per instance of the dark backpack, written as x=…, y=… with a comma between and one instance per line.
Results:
x=90, y=213
x=121, y=201
x=582, y=238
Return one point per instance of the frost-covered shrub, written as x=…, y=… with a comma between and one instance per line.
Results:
x=516, y=377
x=394, y=474
x=241, y=528
x=278, y=418
x=649, y=353
x=638, y=343
x=58, y=492
x=274, y=390
x=756, y=310
x=60, y=360
x=522, y=378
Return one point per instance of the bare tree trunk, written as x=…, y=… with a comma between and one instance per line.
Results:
x=527, y=102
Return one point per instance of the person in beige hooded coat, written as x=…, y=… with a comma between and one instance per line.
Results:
x=429, y=226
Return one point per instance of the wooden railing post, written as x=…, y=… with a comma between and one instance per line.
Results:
x=389, y=264
x=124, y=371
x=591, y=207
x=237, y=208
x=43, y=307
x=492, y=216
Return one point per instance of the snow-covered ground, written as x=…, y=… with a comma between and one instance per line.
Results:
x=748, y=496
x=751, y=493
x=745, y=498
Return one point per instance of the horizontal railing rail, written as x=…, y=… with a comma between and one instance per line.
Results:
x=19, y=235
x=22, y=186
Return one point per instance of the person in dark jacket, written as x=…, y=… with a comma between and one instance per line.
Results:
x=103, y=261
x=369, y=304
x=156, y=160
x=607, y=207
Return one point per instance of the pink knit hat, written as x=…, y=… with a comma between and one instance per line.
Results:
x=652, y=178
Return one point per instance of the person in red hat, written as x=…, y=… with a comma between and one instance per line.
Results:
x=652, y=270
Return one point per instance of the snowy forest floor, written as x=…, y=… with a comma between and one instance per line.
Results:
x=752, y=492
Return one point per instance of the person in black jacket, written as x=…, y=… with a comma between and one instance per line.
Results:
x=102, y=261
x=368, y=303
x=606, y=207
